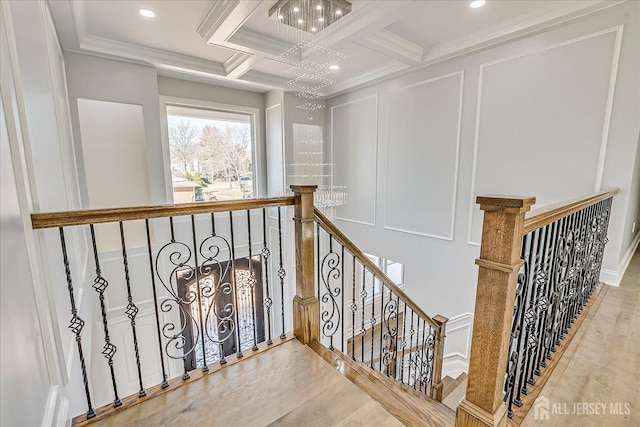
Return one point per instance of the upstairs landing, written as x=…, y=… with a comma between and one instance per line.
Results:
x=289, y=385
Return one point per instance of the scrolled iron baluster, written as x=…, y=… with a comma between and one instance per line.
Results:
x=213, y=286
x=331, y=316
x=178, y=255
x=390, y=321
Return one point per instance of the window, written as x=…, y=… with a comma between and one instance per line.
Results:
x=393, y=269
x=211, y=153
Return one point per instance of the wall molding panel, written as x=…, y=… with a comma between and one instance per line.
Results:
x=533, y=97
x=438, y=135
x=356, y=173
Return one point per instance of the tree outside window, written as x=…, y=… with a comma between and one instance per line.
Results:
x=211, y=154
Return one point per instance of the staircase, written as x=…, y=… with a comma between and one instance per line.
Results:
x=210, y=344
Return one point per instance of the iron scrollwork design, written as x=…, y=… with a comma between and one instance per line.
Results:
x=219, y=322
x=390, y=321
x=330, y=315
x=178, y=254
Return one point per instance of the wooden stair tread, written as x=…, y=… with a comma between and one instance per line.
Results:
x=407, y=405
x=450, y=385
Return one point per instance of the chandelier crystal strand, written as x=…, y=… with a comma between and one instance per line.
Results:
x=312, y=62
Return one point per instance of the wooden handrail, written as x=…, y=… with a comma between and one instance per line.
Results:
x=540, y=218
x=364, y=260
x=95, y=216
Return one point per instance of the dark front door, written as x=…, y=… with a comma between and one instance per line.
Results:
x=229, y=308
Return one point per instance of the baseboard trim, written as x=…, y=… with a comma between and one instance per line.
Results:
x=454, y=364
x=57, y=409
x=614, y=277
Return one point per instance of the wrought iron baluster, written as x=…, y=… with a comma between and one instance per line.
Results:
x=131, y=311
x=542, y=302
x=179, y=255
x=531, y=315
x=164, y=383
x=100, y=285
x=354, y=307
x=342, y=315
x=266, y=253
x=205, y=367
x=381, y=320
x=388, y=353
x=551, y=294
x=421, y=359
x=330, y=316
x=252, y=285
x=404, y=342
x=412, y=332
x=234, y=286
x=522, y=334
x=373, y=314
x=281, y=272
x=76, y=325
x=363, y=296
x=318, y=263
x=219, y=323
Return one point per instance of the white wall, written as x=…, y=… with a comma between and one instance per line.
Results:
x=102, y=79
x=38, y=174
x=553, y=115
x=24, y=380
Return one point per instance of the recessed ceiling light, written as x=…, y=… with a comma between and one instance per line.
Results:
x=477, y=3
x=281, y=17
x=147, y=13
x=319, y=7
x=300, y=21
x=321, y=19
x=338, y=12
x=314, y=29
x=334, y=67
x=296, y=9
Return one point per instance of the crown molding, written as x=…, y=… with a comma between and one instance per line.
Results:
x=264, y=79
x=156, y=57
x=216, y=17
x=487, y=38
x=258, y=43
x=392, y=45
x=361, y=79
x=236, y=61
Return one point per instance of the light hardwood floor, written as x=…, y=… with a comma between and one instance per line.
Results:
x=289, y=385
x=602, y=363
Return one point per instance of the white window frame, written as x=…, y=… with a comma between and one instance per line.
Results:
x=256, y=152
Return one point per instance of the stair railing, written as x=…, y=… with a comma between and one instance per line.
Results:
x=536, y=277
x=350, y=305
x=181, y=291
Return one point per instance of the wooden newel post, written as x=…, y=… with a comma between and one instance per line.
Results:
x=438, y=356
x=306, y=308
x=499, y=264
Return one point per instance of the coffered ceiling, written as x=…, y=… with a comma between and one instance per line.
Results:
x=235, y=43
